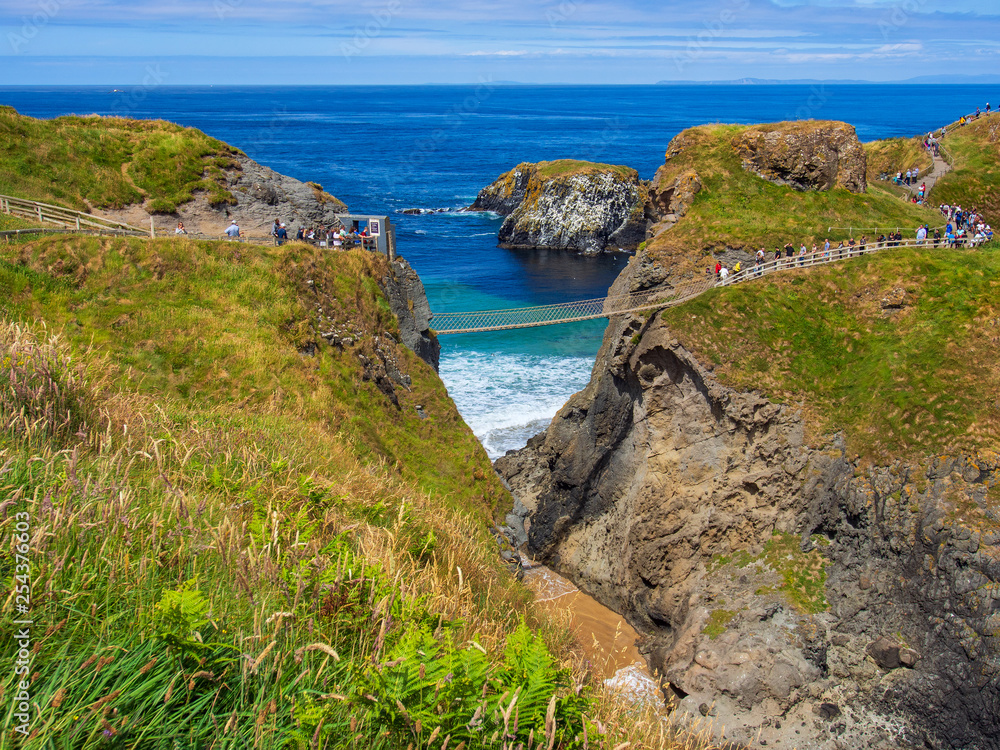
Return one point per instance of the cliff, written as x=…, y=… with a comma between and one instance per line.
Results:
x=405, y=293
x=786, y=488
x=727, y=190
x=132, y=170
x=810, y=156
x=568, y=205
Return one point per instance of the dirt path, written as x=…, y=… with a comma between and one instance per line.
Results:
x=940, y=169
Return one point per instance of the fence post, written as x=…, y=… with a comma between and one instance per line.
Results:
x=39, y=213
x=78, y=222
x=152, y=229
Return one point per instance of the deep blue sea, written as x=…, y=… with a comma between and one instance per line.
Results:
x=384, y=149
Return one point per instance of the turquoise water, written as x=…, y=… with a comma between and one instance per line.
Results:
x=385, y=149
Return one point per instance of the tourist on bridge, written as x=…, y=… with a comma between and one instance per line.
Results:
x=282, y=236
x=180, y=228
x=233, y=230
x=723, y=273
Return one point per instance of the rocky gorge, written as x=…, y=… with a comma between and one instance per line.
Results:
x=785, y=589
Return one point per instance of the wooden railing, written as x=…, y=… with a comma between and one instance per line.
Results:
x=834, y=254
x=67, y=218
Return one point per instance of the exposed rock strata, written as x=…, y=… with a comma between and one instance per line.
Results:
x=568, y=205
x=262, y=195
x=657, y=490
x=806, y=156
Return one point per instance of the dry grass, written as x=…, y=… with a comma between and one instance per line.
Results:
x=229, y=578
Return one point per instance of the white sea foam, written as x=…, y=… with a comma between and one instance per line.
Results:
x=507, y=398
x=635, y=683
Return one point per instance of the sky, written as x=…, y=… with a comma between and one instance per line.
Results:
x=142, y=42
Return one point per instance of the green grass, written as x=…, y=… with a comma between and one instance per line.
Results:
x=235, y=544
x=893, y=155
x=718, y=621
x=567, y=167
x=8, y=222
x=110, y=162
x=975, y=179
x=738, y=209
x=803, y=575
x=917, y=382
x=213, y=322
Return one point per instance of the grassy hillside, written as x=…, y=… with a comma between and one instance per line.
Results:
x=918, y=381
x=235, y=540
x=975, y=179
x=893, y=155
x=110, y=162
x=736, y=208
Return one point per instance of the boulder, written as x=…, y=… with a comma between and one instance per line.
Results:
x=890, y=655
x=805, y=155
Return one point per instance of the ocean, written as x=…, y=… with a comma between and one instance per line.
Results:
x=385, y=149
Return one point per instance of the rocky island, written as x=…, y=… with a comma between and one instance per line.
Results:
x=569, y=205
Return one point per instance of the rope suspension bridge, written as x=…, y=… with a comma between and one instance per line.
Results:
x=607, y=307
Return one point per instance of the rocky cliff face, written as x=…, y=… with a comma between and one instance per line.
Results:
x=262, y=195
x=788, y=593
x=408, y=300
x=806, y=156
x=568, y=205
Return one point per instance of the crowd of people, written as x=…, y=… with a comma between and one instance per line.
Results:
x=334, y=235
x=965, y=226
x=964, y=229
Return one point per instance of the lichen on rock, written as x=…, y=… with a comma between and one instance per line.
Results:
x=805, y=156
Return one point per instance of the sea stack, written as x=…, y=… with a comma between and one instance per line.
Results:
x=569, y=205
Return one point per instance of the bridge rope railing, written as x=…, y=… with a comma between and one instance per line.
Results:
x=606, y=307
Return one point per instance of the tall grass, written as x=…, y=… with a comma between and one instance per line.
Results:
x=210, y=574
x=110, y=162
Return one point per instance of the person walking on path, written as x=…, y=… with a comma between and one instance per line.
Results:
x=233, y=230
